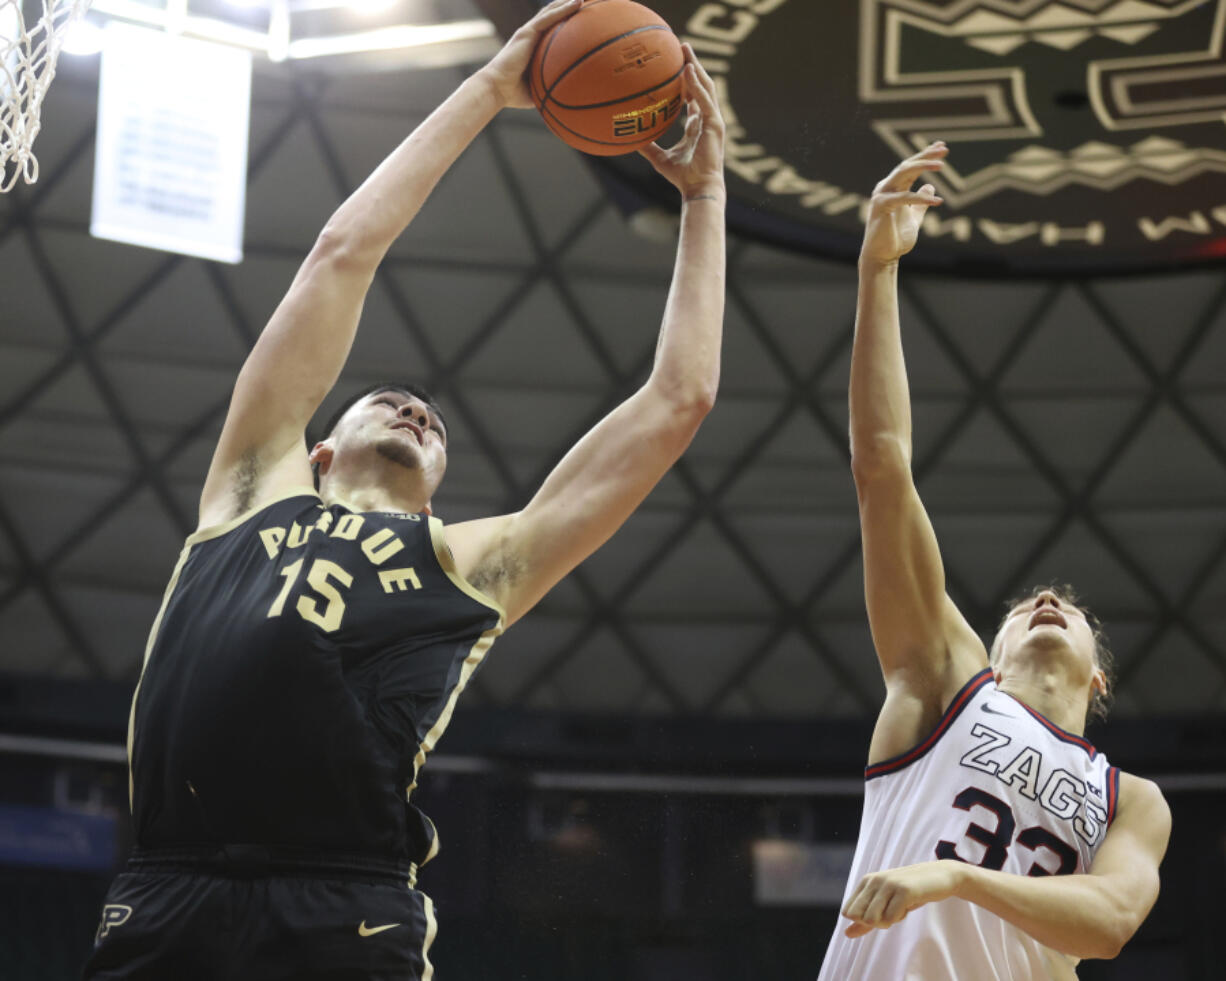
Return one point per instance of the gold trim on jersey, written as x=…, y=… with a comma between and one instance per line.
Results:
x=471, y=661
x=427, y=971
x=216, y=531
x=153, y=633
x=442, y=551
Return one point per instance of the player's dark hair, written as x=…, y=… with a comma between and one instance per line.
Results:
x=404, y=388
x=1100, y=702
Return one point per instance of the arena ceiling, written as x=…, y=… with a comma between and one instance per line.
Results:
x=1064, y=429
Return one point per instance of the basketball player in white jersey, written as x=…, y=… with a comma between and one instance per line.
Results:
x=996, y=842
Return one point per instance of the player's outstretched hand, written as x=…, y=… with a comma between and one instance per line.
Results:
x=883, y=898
x=896, y=212
x=507, y=71
x=695, y=164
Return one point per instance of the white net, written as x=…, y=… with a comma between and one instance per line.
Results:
x=27, y=66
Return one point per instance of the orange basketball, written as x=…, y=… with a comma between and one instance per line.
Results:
x=607, y=80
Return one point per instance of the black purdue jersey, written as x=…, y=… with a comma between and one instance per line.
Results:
x=305, y=661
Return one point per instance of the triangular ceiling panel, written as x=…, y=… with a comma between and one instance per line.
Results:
x=384, y=347
x=1179, y=677
x=1204, y=367
x=697, y=659
x=803, y=318
x=796, y=547
x=470, y=215
x=452, y=304
x=1174, y=546
x=980, y=552
x=99, y=276
x=181, y=319
x=1080, y=558
x=1072, y=353
x=703, y=577
x=737, y=428
x=72, y=391
x=141, y=532
x=611, y=246
x=981, y=318
x=1167, y=465
x=33, y=637
x=557, y=185
x=530, y=428
x=626, y=315
x=1159, y=315
x=290, y=197
x=526, y=647
x=791, y=682
x=600, y=676
x=558, y=356
x=112, y=618
x=22, y=368
x=1076, y=439
x=25, y=492
x=48, y=439
x=31, y=317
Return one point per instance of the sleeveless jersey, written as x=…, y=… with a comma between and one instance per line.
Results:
x=995, y=784
x=305, y=661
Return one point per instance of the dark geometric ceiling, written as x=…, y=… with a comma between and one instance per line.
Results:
x=1063, y=429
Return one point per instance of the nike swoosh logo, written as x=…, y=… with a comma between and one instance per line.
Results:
x=365, y=931
x=992, y=711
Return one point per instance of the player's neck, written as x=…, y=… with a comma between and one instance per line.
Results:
x=403, y=498
x=1052, y=694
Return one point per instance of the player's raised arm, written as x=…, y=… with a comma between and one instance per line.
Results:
x=924, y=645
x=1090, y=915
x=517, y=558
x=300, y=353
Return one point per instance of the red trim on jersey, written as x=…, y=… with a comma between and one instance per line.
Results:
x=1113, y=792
x=1061, y=734
x=956, y=706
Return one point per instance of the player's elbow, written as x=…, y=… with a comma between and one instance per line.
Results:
x=879, y=459
x=687, y=400
x=1113, y=930
x=1104, y=944
x=699, y=402
x=338, y=247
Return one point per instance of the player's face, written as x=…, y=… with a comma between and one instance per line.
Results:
x=397, y=427
x=1047, y=626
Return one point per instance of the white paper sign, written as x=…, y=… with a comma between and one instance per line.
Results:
x=795, y=873
x=170, y=167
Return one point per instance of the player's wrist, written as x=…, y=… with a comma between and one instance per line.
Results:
x=493, y=85
x=964, y=880
x=870, y=263
x=713, y=191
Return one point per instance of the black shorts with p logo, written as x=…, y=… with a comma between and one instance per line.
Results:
x=240, y=913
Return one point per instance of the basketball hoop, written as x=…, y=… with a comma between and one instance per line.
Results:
x=27, y=66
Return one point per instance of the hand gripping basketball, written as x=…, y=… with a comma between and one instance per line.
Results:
x=695, y=164
x=507, y=71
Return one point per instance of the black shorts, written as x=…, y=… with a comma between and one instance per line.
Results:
x=242, y=915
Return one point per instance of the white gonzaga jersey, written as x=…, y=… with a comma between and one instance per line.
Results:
x=997, y=785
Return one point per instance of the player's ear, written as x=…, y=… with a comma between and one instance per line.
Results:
x=426, y=510
x=321, y=456
x=1098, y=682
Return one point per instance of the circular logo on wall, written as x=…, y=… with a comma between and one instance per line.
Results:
x=1085, y=135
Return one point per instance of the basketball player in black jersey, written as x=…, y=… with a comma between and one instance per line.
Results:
x=312, y=645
